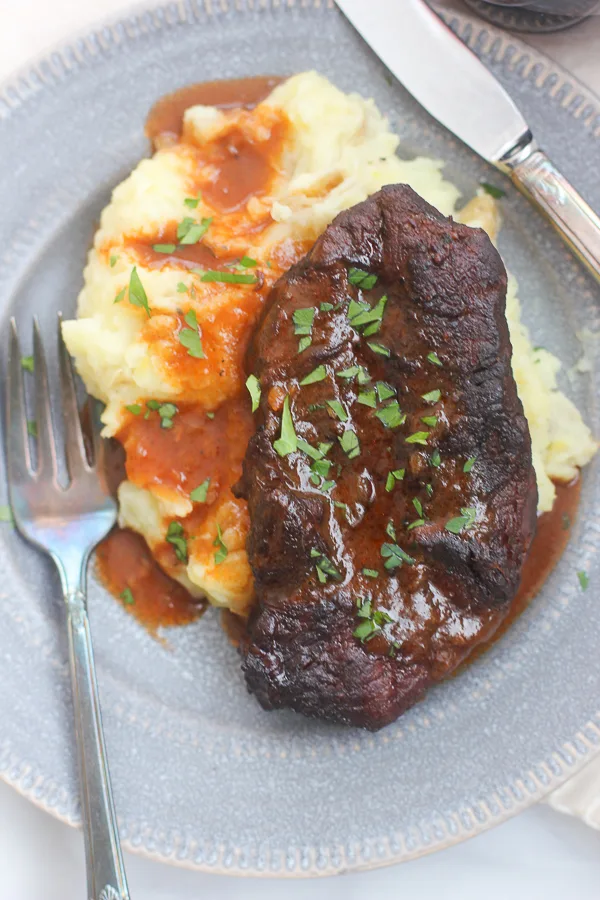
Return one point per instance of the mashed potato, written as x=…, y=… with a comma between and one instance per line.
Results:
x=163, y=347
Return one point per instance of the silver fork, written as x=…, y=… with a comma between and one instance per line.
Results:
x=67, y=523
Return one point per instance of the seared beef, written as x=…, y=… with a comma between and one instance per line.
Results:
x=390, y=542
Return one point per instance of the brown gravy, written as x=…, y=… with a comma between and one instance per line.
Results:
x=241, y=169
x=551, y=538
x=123, y=562
x=165, y=119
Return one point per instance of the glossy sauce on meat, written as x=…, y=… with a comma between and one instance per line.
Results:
x=168, y=458
x=551, y=537
x=382, y=562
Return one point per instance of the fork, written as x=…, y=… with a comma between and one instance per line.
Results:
x=67, y=523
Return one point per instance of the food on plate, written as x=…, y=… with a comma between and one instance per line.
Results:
x=390, y=485
x=186, y=254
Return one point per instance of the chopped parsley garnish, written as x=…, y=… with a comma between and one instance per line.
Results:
x=199, y=494
x=367, y=398
x=192, y=202
x=378, y=348
x=318, y=374
x=190, y=232
x=584, y=580
x=384, y=391
x=222, y=550
x=182, y=288
x=326, y=486
x=190, y=337
x=127, y=597
x=372, y=621
x=391, y=415
x=429, y=420
x=419, y=437
x=164, y=248
x=227, y=277
x=288, y=442
x=27, y=363
x=434, y=358
x=365, y=315
x=113, y=260
x=418, y=506
x=436, y=459
x=6, y=514
x=492, y=190
x=394, y=556
x=167, y=411
x=321, y=467
x=303, y=320
x=355, y=307
x=370, y=573
x=390, y=530
x=338, y=409
x=350, y=444
x=366, y=630
x=210, y=415
x=303, y=323
x=326, y=307
x=463, y=522
x=361, y=279
x=176, y=537
x=137, y=294
x=469, y=464
x=416, y=524
x=120, y=295
x=353, y=372
x=432, y=396
x=325, y=568
x=248, y=263
x=32, y=429
x=311, y=451
x=253, y=385
x=429, y=489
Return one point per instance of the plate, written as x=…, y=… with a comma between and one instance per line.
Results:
x=202, y=776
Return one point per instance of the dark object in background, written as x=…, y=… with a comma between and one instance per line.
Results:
x=534, y=15
x=362, y=607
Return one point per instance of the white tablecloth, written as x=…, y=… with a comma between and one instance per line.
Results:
x=541, y=855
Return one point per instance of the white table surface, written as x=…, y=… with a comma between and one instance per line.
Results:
x=540, y=855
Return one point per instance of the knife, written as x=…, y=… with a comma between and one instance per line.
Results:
x=453, y=85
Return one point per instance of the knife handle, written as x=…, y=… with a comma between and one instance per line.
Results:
x=538, y=178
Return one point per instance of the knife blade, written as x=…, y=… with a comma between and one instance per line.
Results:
x=454, y=86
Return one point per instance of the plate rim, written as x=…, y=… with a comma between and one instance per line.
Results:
x=117, y=31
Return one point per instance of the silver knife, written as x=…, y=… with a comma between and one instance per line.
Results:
x=453, y=85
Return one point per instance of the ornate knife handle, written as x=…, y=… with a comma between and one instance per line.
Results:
x=536, y=176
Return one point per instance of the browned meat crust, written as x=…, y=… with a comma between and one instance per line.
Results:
x=359, y=609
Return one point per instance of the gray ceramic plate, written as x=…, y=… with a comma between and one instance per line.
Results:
x=202, y=776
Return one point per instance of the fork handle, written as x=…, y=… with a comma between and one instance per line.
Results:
x=105, y=870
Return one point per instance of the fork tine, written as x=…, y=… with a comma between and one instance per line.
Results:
x=17, y=446
x=74, y=443
x=46, y=448
x=95, y=429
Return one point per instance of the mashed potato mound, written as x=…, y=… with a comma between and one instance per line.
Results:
x=163, y=348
